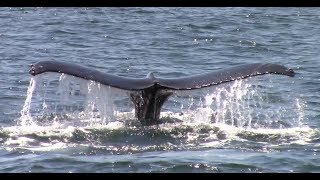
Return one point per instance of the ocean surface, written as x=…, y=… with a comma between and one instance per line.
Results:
x=58, y=123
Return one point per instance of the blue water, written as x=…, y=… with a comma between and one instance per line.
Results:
x=264, y=124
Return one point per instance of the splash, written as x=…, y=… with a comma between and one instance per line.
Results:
x=25, y=118
x=62, y=111
x=70, y=98
x=244, y=105
x=232, y=105
x=300, y=105
x=238, y=104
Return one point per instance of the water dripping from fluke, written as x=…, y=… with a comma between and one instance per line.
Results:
x=69, y=98
x=25, y=118
x=239, y=104
x=63, y=109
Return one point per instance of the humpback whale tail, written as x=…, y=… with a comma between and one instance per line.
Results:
x=149, y=94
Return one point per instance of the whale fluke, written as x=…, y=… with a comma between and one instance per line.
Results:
x=224, y=75
x=90, y=74
x=149, y=93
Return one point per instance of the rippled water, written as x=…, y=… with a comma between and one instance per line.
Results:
x=53, y=123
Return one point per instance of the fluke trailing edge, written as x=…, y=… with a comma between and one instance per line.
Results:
x=149, y=94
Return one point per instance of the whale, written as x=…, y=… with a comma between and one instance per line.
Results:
x=148, y=94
